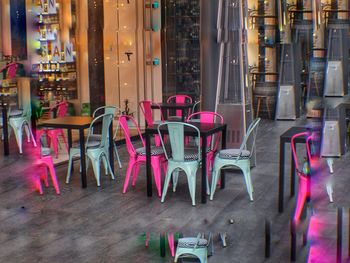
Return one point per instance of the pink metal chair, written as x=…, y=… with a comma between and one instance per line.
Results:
x=62, y=109
x=303, y=174
x=11, y=70
x=137, y=156
x=44, y=160
x=147, y=111
x=212, y=141
x=178, y=99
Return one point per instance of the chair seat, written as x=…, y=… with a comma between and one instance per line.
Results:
x=96, y=137
x=233, y=154
x=15, y=113
x=45, y=151
x=154, y=151
x=94, y=144
x=190, y=242
x=191, y=154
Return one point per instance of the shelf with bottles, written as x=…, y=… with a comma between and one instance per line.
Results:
x=54, y=67
x=48, y=91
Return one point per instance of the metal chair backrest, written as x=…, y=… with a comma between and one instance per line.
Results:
x=123, y=122
x=179, y=99
x=196, y=106
x=62, y=109
x=252, y=130
x=177, y=139
x=146, y=108
x=11, y=70
x=309, y=139
x=209, y=117
x=104, y=110
x=106, y=119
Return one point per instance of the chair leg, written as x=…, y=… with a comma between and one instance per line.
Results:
x=38, y=185
x=258, y=108
x=208, y=175
x=156, y=166
x=192, y=187
x=109, y=166
x=246, y=173
x=135, y=174
x=268, y=107
x=302, y=195
x=45, y=177
x=214, y=181
x=53, y=175
x=26, y=129
x=166, y=184
x=105, y=165
x=117, y=155
x=128, y=173
x=69, y=171
x=54, y=140
x=171, y=243
x=18, y=136
x=64, y=140
x=175, y=178
x=97, y=169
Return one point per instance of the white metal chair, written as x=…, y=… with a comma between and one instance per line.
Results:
x=236, y=157
x=192, y=247
x=96, y=150
x=19, y=120
x=181, y=158
x=111, y=110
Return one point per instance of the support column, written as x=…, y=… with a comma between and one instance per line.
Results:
x=6, y=27
x=96, y=57
x=209, y=53
x=82, y=53
x=18, y=29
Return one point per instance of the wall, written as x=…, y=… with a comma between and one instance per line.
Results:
x=6, y=27
x=130, y=78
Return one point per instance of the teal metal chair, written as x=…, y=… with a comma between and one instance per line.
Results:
x=96, y=150
x=111, y=110
x=191, y=247
x=18, y=120
x=181, y=158
x=237, y=157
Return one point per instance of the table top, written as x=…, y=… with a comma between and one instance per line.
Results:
x=68, y=122
x=204, y=128
x=172, y=105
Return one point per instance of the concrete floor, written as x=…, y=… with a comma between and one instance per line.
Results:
x=104, y=225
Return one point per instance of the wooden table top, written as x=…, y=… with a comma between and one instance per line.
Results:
x=68, y=122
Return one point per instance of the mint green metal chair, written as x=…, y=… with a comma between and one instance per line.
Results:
x=19, y=120
x=111, y=110
x=191, y=247
x=96, y=150
x=236, y=157
x=181, y=158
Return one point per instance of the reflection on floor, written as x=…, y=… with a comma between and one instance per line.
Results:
x=104, y=225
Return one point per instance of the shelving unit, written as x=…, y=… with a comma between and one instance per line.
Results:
x=263, y=49
x=55, y=69
x=180, y=47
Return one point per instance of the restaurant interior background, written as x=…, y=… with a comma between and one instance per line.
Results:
x=119, y=52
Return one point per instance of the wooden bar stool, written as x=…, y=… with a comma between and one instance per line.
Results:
x=259, y=98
